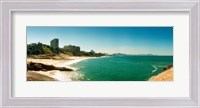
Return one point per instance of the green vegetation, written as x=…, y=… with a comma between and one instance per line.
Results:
x=71, y=50
x=38, y=48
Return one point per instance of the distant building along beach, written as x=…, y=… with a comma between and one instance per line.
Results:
x=54, y=43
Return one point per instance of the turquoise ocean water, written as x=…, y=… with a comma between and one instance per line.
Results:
x=122, y=67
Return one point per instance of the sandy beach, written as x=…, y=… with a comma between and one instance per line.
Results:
x=55, y=74
x=59, y=63
x=73, y=75
x=166, y=75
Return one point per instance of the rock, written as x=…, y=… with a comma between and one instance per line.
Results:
x=44, y=67
x=33, y=76
x=166, y=75
x=167, y=67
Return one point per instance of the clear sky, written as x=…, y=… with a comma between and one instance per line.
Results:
x=128, y=40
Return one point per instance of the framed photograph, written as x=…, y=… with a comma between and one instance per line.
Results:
x=98, y=53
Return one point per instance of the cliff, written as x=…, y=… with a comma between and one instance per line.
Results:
x=166, y=75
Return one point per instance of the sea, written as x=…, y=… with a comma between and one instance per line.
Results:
x=121, y=67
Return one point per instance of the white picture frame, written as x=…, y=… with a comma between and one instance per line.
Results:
x=9, y=6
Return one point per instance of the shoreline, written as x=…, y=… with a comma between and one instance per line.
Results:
x=72, y=61
x=55, y=74
x=73, y=75
x=166, y=75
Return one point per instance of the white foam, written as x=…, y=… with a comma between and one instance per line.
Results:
x=155, y=68
x=70, y=62
x=68, y=76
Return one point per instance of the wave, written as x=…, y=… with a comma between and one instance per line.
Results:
x=155, y=68
x=161, y=66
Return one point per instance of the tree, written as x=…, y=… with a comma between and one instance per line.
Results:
x=38, y=48
x=92, y=52
x=46, y=50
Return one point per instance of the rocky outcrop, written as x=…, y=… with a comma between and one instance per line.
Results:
x=43, y=67
x=33, y=76
x=166, y=75
x=167, y=67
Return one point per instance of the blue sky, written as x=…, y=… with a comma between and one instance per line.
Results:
x=128, y=40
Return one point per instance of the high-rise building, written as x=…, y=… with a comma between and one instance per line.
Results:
x=54, y=43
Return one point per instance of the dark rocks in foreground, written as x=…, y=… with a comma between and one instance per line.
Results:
x=44, y=67
x=167, y=67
